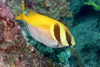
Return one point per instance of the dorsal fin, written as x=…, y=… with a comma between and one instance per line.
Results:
x=31, y=13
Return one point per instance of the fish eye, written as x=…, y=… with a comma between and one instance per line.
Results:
x=68, y=39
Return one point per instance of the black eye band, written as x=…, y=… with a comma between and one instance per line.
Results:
x=68, y=38
x=69, y=41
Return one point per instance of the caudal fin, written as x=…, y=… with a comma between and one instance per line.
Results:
x=22, y=15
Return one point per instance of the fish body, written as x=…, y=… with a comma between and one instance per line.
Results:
x=47, y=30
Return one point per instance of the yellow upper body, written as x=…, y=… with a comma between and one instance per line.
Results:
x=47, y=30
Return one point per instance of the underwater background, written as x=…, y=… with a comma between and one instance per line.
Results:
x=19, y=49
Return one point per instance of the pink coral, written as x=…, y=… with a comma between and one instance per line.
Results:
x=11, y=34
x=2, y=64
x=5, y=12
x=11, y=28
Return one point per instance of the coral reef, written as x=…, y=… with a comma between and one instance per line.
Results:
x=5, y=11
x=6, y=23
x=55, y=9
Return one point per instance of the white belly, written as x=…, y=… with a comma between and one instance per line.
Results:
x=39, y=35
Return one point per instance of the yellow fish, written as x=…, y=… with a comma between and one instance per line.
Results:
x=47, y=30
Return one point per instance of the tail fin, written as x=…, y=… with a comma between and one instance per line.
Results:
x=22, y=15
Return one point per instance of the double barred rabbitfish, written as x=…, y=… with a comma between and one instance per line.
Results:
x=46, y=30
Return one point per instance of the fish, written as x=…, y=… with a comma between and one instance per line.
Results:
x=46, y=30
